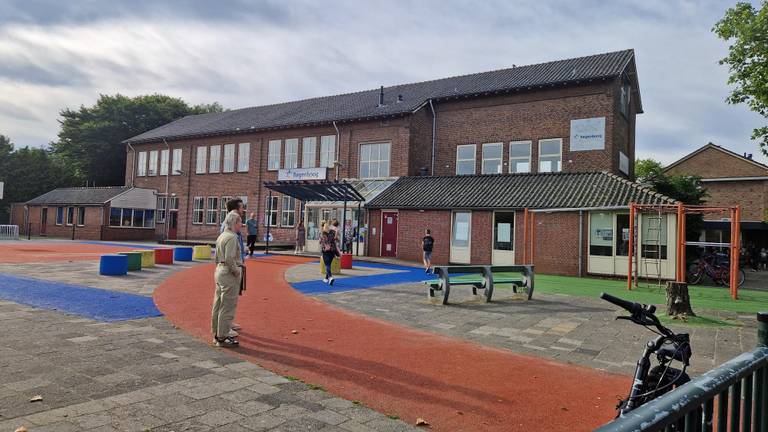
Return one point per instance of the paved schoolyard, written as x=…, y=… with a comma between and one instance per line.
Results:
x=565, y=328
x=137, y=375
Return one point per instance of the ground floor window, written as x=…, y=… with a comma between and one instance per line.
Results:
x=622, y=235
x=313, y=224
x=161, y=204
x=654, y=236
x=59, y=215
x=70, y=215
x=270, y=211
x=213, y=209
x=131, y=218
x=81, y=216
x=601, y=234
x=198, y=210
x=288, y=215
x=461, y=229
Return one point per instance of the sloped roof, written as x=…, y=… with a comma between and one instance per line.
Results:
x=517, y=191
x=79, y=196
x=718, y=148
x=365, y=104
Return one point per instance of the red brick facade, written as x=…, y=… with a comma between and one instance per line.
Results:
x=95, y=226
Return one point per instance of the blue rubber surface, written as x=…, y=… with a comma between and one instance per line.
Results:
x=93, y=303
x=400, y=275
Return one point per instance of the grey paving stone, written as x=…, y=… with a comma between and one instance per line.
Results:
x=262, y=422
x=219, y=418
x=330, y=417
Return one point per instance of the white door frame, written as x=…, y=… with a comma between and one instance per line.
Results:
x=509, y=254
x=468, y=252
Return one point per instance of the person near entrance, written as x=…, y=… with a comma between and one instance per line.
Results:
x=330, y=250
x=252, y=226
x=301, y=236
x=427, y=244
x=229, y=261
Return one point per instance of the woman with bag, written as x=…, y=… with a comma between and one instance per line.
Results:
x=329, y=250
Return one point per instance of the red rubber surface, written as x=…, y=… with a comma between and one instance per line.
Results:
x=38, y=252
x=455, y=385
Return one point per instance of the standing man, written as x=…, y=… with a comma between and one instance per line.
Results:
x=253, y=232
x=227, y=276
x=427, y=244
x=236, y=205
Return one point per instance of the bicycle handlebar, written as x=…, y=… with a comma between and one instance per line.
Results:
x=633, y=308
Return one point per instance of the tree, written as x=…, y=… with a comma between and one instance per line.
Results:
x=27, y=173
x=90, y=139
x=747, y=59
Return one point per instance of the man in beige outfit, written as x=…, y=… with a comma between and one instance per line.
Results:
x=227, y=277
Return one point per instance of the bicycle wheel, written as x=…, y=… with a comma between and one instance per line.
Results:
x=695, y=274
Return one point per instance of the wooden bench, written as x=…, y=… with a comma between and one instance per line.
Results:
x=449, y=276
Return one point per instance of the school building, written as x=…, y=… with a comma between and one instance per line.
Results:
x=463, y=155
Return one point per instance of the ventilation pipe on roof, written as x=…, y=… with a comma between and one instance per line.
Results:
x=434, y=124
x=381, y=96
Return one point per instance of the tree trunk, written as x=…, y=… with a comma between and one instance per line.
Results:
x=678, y=301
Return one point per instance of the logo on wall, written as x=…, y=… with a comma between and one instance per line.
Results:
x=588, y=134
x=294, y=174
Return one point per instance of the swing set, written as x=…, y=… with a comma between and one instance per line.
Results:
x=681, y=210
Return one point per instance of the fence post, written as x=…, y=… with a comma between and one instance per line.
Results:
x=762, y=329
x=29, y=231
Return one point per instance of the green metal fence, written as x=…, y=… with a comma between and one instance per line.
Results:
x=732, y=397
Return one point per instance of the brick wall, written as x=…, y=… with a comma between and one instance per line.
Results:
x=751, y=195
x=557, y=243
x=90, y=231
x=714, y=163
x=420, y=151
x=411, y=226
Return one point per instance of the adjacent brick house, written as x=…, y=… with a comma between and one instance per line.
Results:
x=730, y=179
x=573, y=116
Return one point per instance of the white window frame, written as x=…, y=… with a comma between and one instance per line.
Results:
x=176, y=164
x=228, y=166
x=141, y=168
x=77, y=216
x=309, y=152
x=327, y=151
x=271, y=211
x=375, y=162
x=198, y=211
x=70, y=216
x=500, y=145
x=152, y=171
x=273, y=155
x=223, y=207
x=164, y=156
x=289, y=213
x=559, y=154
x=513, y=159
x=162, y=203
x=291, y=153
x=243, y=157
x=212, y=210
x=201, y=161
x=474, y=158
x=214, y=159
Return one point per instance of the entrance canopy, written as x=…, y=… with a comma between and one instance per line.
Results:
x=316, y=190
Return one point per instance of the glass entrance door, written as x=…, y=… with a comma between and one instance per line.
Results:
x=461, y=242
x=503, y=238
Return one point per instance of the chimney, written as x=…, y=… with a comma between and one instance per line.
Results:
x=381, y=96
x=749, y=156
x=399, y=98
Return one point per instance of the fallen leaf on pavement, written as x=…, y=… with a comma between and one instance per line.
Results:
x=21, y=429
x=295, y=331
x=421, y=422
x=37, y=398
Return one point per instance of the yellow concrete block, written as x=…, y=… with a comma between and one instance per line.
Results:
x=201, y=252
x=147, y=258
x=335, y=266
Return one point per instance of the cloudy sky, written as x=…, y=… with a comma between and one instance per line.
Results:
x=56, y=54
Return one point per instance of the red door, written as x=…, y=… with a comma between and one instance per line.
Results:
x=43, y=220
x=173, y=222
x=389, y=234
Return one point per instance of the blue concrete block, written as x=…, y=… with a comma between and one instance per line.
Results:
x=113, y=265
x=182, y=253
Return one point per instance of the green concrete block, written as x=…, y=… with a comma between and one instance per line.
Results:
x=134, y=260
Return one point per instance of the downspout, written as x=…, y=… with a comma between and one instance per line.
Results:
x=337, y=150
x=581, y=239
x=133, y=163
x=434, y=127
x=189, y=193
x=167, y=181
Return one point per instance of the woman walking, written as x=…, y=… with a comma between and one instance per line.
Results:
x=301, y=236
x=329, y=250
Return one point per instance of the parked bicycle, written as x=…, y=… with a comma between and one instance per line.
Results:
x=652, y=382
x=716, y=266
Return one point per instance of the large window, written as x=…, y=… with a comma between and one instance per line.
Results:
x=288, y=215
x=81, y=216
x=601, y=234
x=520, y=157
x=176, y=166
x=164, y=154
x=492, y=156
x=273, y=159
x=465, y=159
x=198, y=210
x=214, y=161
x=550, y=156
x=291, y=153
x=270, y=212
x=622, y=235
x=131, y=218
x=59, y=215
x=327, y=151
x=141, y=168
x=654, y=236
x=162, y=202
x=223, y=208
x=212, y=210
x=202, y=152
x=153, y=163
x=243, y=156
x=70, y=215
x=309, y=152
x=374, y=160
x=229, y=158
